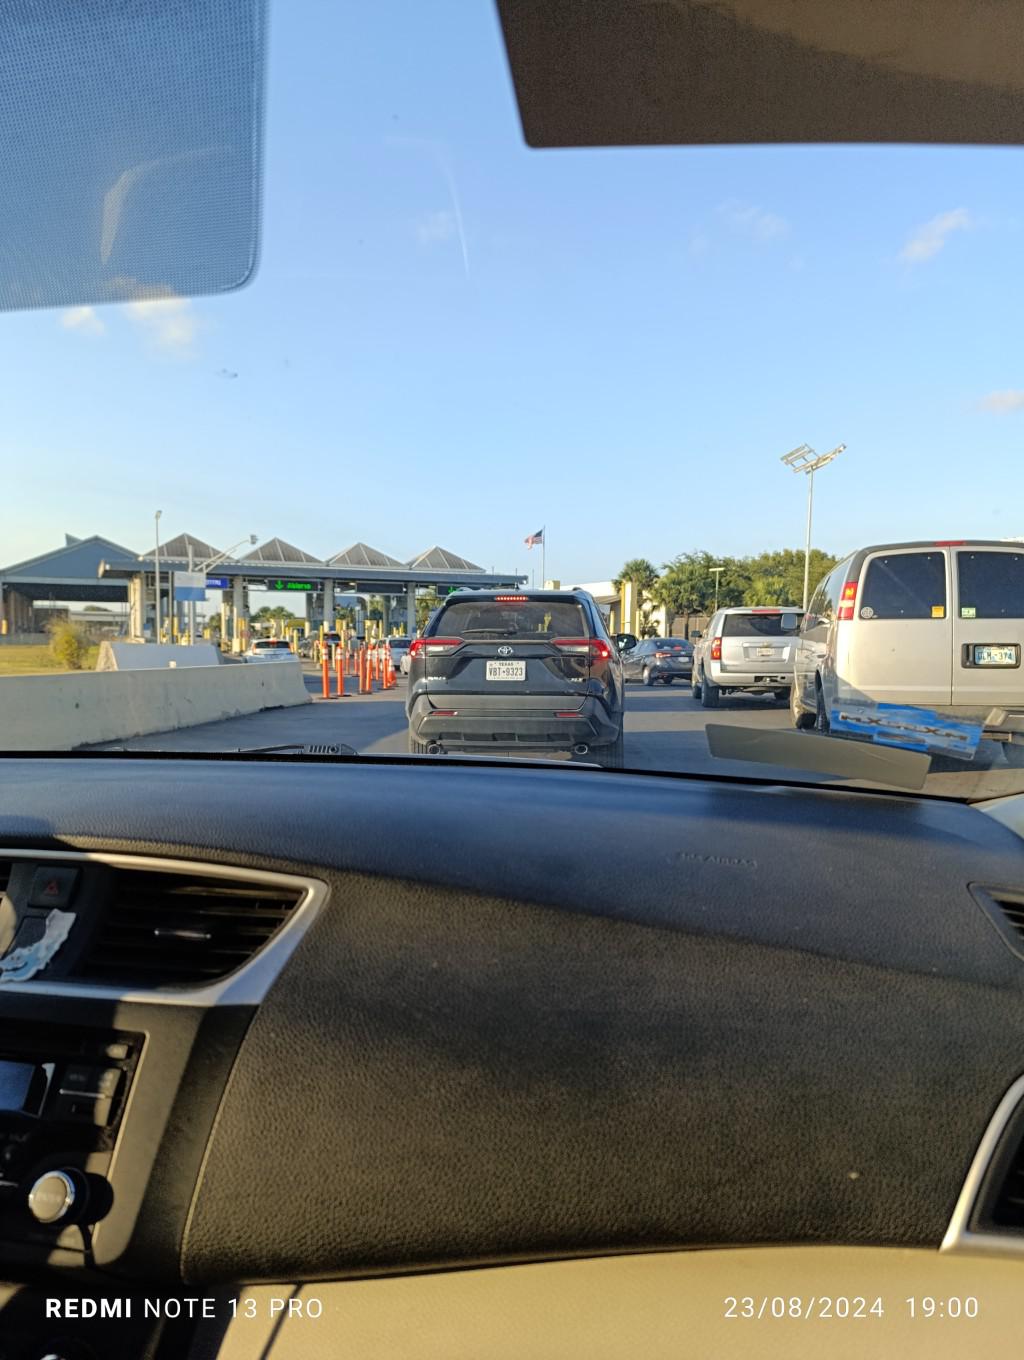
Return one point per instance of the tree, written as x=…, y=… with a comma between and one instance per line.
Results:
x=778, y=577
x=425, y=606
x=643, y=576
x=687, y=585
x=275, y=617
x=641, y=573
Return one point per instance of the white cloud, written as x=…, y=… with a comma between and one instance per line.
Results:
x=170, y=322
x=750, y=220
x=84, y=320
x=1010, y=400
x=436, y=226
x=929, y=239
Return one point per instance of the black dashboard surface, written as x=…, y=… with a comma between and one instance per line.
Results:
x=550, y=1012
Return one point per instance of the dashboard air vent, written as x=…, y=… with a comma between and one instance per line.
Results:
x=1005, y=908
x=1007, y=1204
x=5, y=874
x=167, y=929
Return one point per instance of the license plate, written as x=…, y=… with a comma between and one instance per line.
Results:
x=506, y=670
x=766, y=651
x=995, y=656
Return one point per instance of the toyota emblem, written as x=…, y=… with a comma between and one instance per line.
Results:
x=504, y=651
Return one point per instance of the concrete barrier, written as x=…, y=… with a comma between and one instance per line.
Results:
x=145, y=656
x=80, y=708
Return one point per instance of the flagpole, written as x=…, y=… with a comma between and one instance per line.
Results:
x=543, y=557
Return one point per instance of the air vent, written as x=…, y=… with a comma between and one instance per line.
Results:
x=166, y=929
x=1005, y=908
x=1007, y=1202
x=5, y=874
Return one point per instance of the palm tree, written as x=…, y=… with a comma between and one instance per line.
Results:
x=643, y=577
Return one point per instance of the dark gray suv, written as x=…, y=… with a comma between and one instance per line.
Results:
x=521, y=671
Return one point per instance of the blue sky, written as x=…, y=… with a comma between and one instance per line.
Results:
x=453, y=338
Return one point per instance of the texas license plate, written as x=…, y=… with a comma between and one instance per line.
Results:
x=995, y=656
x=506, y=670
x=766, y=651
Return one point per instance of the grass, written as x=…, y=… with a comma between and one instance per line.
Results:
x=36, y=660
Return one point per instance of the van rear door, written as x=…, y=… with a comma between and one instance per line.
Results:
x=901, y=648
x=988, y=627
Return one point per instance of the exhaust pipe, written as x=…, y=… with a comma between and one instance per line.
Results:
x=433, y=748
x=581, y=749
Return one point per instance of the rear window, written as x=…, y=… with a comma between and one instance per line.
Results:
x=905, y=586
x=671, y=645
x=991, y=585
x=782, y=624
x=499, y=618
x=273, y=646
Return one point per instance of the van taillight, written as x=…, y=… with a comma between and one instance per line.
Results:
x=433, y=646
x=716, y=649
x=846, y=600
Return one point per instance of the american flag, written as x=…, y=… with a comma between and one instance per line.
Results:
x=532, y=540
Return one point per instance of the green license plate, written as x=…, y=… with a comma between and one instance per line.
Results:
x=995, y=656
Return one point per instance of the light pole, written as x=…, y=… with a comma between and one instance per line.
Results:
x=204, y=567
x=156, y=570
x=716, y=572
x=804, y=459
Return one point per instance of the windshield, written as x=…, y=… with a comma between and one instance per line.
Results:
x=465, y=367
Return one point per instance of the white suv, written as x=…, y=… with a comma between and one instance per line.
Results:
x=748, y=650
x=270, y=649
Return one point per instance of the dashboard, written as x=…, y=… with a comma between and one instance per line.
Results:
x=408, y=1025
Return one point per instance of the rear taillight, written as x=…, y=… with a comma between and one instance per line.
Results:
x=846, y=600
x=433, y=646
x=716, y=649
x=592, y=647
x=662, y=655
x=511, y=599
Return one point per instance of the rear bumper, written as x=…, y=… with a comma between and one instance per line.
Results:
x=761, y=681
x=680, y=668
x=482, y=724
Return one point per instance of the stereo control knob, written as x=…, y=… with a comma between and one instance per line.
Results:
x=58, y=1197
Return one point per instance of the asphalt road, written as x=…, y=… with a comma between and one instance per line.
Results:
x=664, y=731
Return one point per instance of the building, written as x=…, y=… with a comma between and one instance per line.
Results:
x=99, y=572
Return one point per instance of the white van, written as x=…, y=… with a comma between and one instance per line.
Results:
x=933, y=625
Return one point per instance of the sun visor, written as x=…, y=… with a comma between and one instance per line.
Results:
x=690, y=72
x=130, y=149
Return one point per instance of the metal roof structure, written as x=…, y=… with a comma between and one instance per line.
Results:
x=440, y=559
x=362, y=555
x=176, y=549
x=71, y=572
x=279, y=552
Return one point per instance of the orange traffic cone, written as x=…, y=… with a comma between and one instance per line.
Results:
x=341, y=675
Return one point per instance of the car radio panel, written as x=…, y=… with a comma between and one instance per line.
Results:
x=63, y=1092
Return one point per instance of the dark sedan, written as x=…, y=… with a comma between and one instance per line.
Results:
x=659, y=661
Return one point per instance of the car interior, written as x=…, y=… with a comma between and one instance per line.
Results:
x=578, y=1062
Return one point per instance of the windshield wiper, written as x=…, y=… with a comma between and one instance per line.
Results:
x=301, y=749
